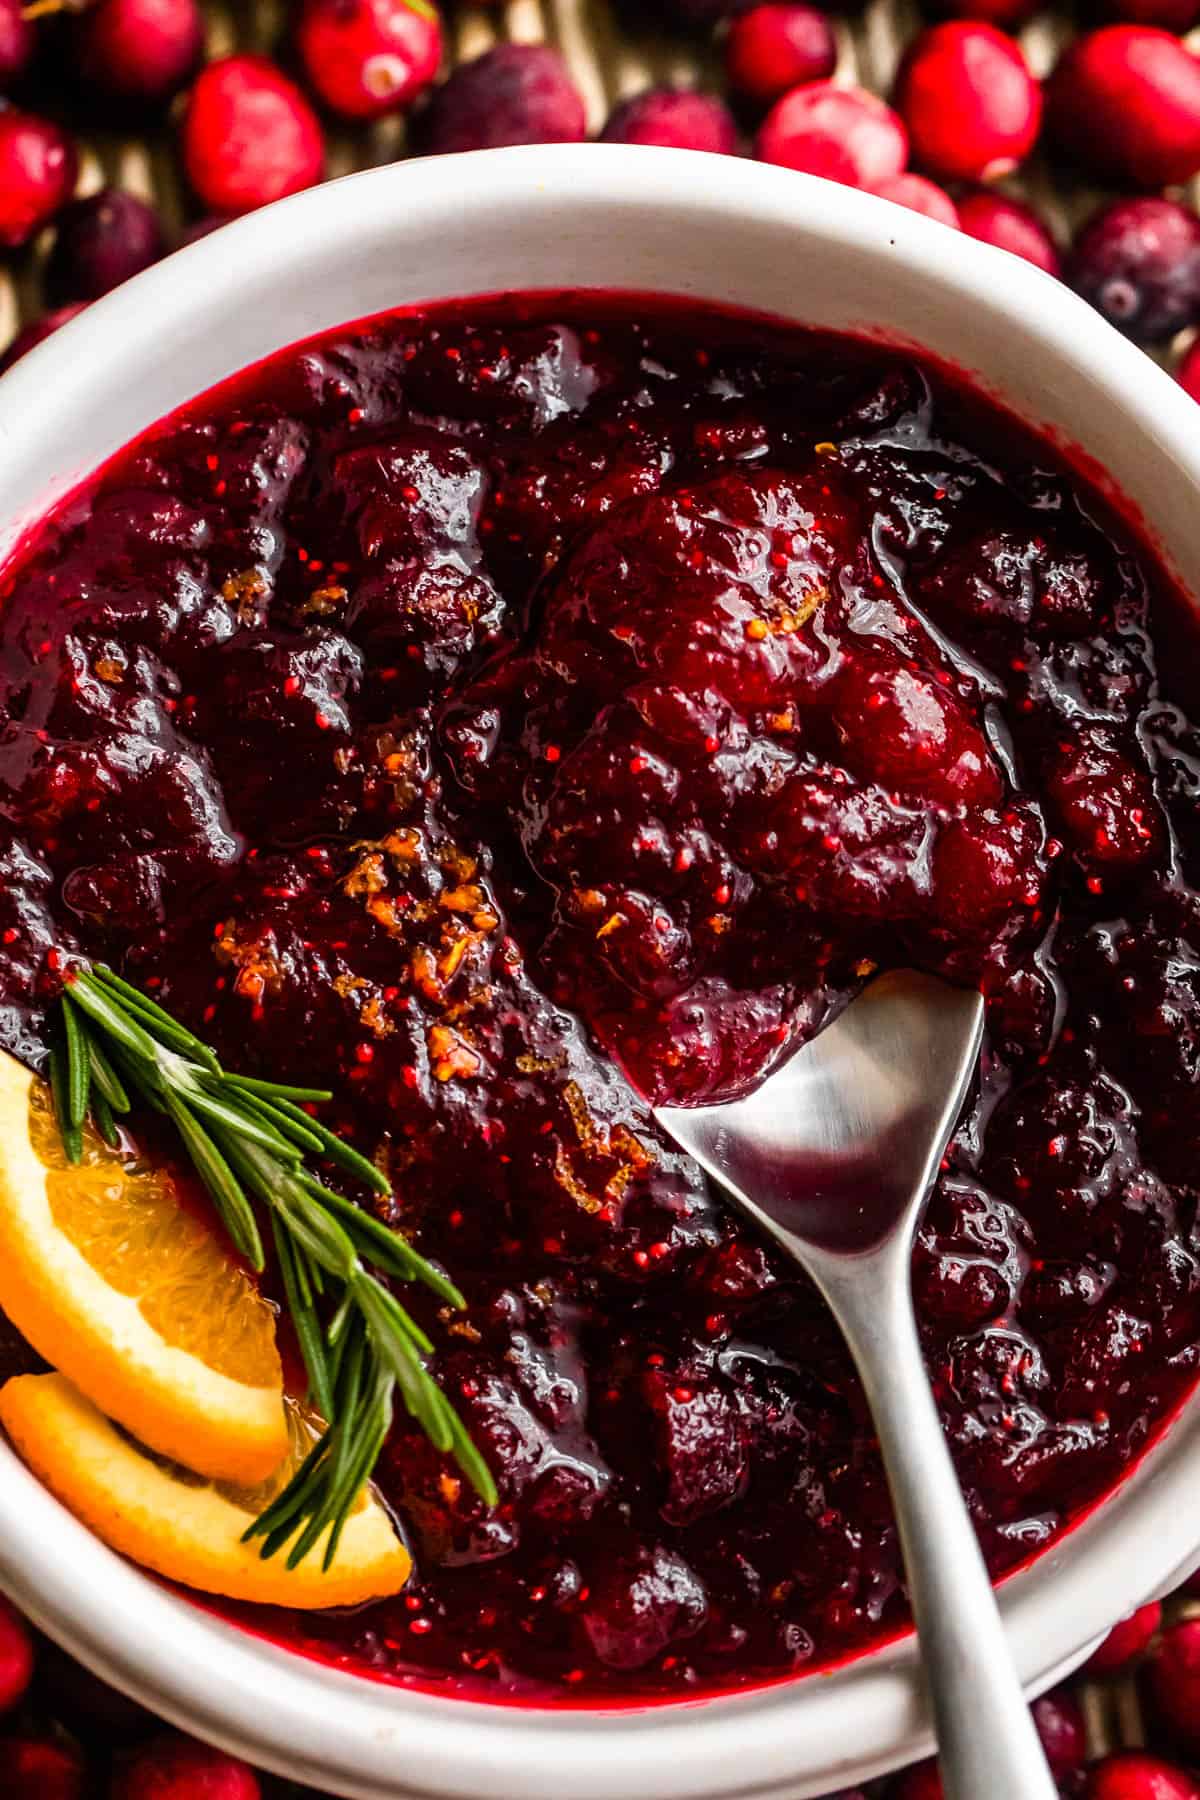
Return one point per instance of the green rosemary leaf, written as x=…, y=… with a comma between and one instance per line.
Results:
x=304, y=1321
x=271, y=1115
x=72, y=1137
x=338, y=1151
x=106, y=1125
x=243, y=1124
x=78, y=1068
x=119, y=1023
x=277, y=1090
x=380, y=1243
x=172, y=1032
x=221, y=1182
x=387, y=1311
x=105, y=1079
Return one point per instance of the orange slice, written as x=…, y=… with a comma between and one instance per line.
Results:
x=181, y=1526
x=133, y=1296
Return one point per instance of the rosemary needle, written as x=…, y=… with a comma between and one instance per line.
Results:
x=248, y=1141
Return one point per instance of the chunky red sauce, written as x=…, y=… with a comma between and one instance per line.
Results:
x=463, y=706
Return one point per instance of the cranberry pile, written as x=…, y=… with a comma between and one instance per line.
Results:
x=966, y=109
x=500, y=714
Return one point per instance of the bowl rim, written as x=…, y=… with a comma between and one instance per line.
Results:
x=361, y=1738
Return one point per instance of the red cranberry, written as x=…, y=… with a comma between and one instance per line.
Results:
x=141, y=50
x=16, y=41
x=179, y=1768
x=1126, y=1641
x=1173, y=1676
x=920, y=196
x=1138, y=262
x=1136, y=1775
x=16, y=1656
x=368, y=57
x=1125, y=102
x=773, y=48
x=249, y=136
x=921, y=1782
x=38, y=168
x=845, y=134
x=100, y=242
x=514, y=94
x=1010, y=225
x=679, y=120
x=33, y=334
x=1059, y=1720
x=970, y=103
x=1009, y=15
x=36, y=1768
x=1169, y=15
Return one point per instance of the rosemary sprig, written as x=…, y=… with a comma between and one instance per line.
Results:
x=248, y=1141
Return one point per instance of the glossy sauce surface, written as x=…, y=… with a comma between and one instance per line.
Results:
x=464, y=708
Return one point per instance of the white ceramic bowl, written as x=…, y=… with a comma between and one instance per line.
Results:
x=653, y=220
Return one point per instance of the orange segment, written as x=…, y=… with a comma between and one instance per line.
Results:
x=135, y=1298
x=183, y=1528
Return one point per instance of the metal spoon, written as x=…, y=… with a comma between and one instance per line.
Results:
x=833, y=1155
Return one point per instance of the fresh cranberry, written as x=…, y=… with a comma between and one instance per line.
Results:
x=921, y=1782
x=971, y=106
x=16, y=1656
x=99, y=242
x=1058, y=1717
x=1125, y=103
x=1009, y=15
x=514, y=94
x=773, y=48
x=368, y=57
x=1010, y=225
x=1168, y=15
x=16, y=42
x=922, y=196
x=675, y=118
x=1136, y=1775
x=249, y=136
x=36, y=331
x=1138, y=262
x=843, y=133
x=1173, y=1679
x=38, y=169
x=140, y=50
x=1126, y=1642
x=179, y=1768
x=35, y=1768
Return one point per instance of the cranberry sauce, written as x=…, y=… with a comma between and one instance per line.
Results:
x=464, y=708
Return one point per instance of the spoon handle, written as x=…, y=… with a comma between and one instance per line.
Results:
x=987, y=1743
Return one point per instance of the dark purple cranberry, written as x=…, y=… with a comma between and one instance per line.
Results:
x=100, y=242
x=1173, y=1679
x=16, y=42
x=33, y=334
x=675, y=118
x=514, y=94
x=1138, y=262
x=1060, y=1726
x=140, y=50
